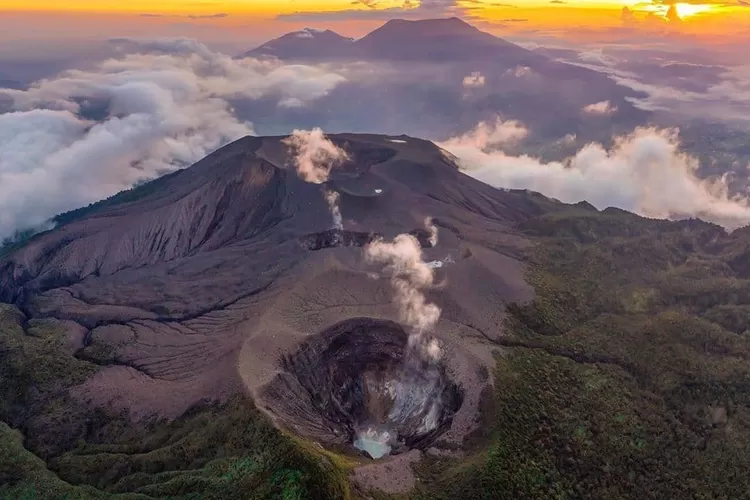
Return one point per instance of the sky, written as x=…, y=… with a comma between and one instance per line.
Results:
x=248, y=22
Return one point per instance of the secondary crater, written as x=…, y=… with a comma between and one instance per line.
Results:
x=333, y=238
x=358, y=384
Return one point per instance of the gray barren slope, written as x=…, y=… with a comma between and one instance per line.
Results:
x=204, y=287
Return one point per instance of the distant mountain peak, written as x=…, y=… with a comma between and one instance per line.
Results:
x=317, y=32
x=434, y=27
x=303, y=43
x=441, y=39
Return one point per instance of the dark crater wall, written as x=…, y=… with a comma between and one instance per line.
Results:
x=337, y=238
x=333, y=238
x=357, y=374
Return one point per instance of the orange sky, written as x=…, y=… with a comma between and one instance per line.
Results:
x=576, y=17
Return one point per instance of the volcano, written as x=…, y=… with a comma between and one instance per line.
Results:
x=222, y=333
x=227, y=278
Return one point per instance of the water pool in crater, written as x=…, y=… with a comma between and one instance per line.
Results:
x=354, y=385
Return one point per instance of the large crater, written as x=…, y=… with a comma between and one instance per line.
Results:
x=357, y=383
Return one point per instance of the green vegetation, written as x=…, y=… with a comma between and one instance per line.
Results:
x=227, y=451
x=214, y=451
x=627, y=377
x=12, y=243
x=25, y=476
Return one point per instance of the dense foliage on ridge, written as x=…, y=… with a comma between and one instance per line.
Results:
x=228, y=451
x=627, y=377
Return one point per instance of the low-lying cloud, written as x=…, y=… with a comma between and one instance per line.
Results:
x=82, y=136
x=490, y=135
x=474, y=80
x=644, y=172
x=600, y=108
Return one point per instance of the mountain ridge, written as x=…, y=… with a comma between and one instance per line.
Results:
x=133, y=355
x=393, y=41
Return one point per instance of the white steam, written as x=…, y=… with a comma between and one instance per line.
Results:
x=332, y=197
x=314, y=154
x=644, y=172
x=410, y=276
x=85, y=135
x=314, y=158
x=432, y=229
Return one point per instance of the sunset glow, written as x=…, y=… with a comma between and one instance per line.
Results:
x=274, y=8
x=584, y=20
x=685, y=10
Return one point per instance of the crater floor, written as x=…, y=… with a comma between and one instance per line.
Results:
x=359, y=382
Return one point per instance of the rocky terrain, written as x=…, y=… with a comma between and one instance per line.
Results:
x=202, y=286
x=212, y=335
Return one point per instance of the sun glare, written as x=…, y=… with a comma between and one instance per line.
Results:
x=688, y=9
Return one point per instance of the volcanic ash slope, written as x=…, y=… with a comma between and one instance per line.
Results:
x=197, y=286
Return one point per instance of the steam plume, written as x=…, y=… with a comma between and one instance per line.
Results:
x=433, y=230
x=332, y=197
x=410, y=275
x=314, y=157
x=644, y=172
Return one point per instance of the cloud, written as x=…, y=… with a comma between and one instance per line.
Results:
x=726, y=101
x=644, y=172
x=597, y=57
x=194, y=17
x=408, y=10
x=474, y=80
x=208, y=16
x=490, y=135
x=673, y=15
x=520, y=71
x=600, y=108
x=85, y=135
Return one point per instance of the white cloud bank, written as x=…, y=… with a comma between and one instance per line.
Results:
x=490, y=135
x=85, y=135
x=644, y=172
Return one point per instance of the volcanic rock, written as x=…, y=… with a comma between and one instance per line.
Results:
x=227, y=277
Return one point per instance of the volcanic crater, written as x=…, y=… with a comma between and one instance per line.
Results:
x=360, y=382
x=225, y=280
